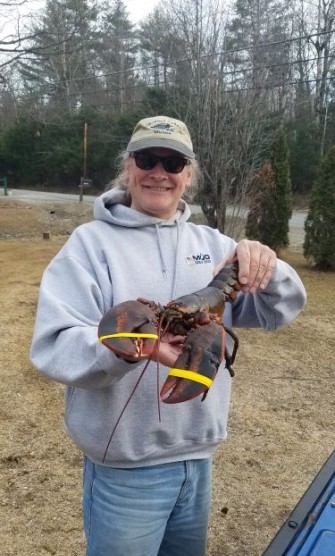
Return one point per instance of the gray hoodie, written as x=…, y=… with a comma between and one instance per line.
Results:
x=124, y=254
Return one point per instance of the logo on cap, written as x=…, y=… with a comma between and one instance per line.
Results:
x=162, y=128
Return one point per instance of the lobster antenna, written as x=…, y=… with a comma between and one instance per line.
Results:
x=157, y=369
x=124, y=409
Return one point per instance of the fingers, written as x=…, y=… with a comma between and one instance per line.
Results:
x=173, y=340
x=257, y=263
x=168, y=353
x=168, y=349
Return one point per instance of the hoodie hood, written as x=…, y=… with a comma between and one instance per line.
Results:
x=111, y=207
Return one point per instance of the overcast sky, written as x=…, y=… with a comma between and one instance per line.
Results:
x=138, y=9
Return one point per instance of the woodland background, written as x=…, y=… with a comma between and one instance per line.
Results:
x=234, y=71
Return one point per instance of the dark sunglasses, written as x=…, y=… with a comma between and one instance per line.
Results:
x=173, y=164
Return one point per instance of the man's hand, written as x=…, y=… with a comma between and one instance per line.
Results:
x=256, y=262
x=169, y=348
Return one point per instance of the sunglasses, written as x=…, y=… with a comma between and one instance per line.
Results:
x=173, y=164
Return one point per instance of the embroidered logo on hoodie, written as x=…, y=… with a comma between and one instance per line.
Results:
x=201, y=258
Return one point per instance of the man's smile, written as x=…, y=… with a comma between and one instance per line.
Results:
x=157, y=188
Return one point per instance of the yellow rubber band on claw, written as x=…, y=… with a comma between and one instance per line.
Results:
x=128, y=335
x=191, y=375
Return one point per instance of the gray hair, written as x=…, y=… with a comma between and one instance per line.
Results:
x=122, y=179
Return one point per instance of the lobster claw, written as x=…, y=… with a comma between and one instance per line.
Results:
x=130, y=330
x=197, y=365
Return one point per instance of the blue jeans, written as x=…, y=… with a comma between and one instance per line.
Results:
x=160, y=510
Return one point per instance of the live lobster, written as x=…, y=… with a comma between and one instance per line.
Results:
x=133, y=329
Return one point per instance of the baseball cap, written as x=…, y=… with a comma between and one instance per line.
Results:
x=161, y=131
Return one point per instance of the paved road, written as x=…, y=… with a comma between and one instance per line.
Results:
x=297, y=220
x=27, y=195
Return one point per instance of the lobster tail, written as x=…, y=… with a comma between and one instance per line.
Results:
x=226, y=282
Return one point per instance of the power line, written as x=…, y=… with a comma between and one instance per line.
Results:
x=143, y=68
x=145, y=102
x=162, y=84
x=115, y=89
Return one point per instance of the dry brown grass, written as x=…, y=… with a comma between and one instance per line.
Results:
x=281, y=426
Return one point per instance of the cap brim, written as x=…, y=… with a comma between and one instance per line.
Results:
x=135, y=146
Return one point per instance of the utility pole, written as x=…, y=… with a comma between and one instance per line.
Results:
x=84, y=177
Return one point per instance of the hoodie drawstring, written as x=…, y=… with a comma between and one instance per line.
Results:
x=161, y=254
x=163, y=260
x=174, y=280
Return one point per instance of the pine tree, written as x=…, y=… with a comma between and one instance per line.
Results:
x=271, y=208
x=319, y=244
x=59, y=67
x=116, y=54
x=304, y=147
x=260, y=213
